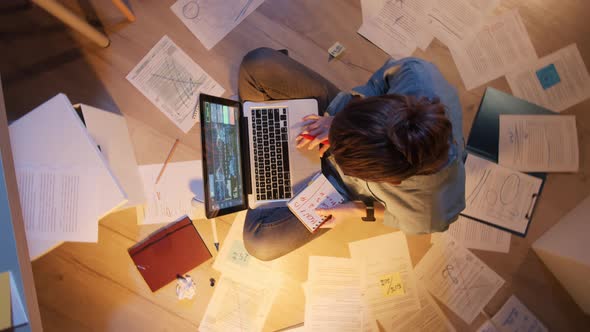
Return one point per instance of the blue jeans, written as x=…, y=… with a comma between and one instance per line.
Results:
x=266, y=74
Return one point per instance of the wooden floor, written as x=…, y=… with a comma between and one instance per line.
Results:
x=95, y=287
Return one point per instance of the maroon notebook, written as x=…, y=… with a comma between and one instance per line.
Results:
x=168, y=252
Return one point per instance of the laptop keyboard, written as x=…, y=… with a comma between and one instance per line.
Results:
x=271, y=153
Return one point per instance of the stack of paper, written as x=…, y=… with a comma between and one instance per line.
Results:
x=64, y=181
x=333, y=297
x=244, y=295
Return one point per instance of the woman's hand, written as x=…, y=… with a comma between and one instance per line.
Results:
x=317, y=127
x=351, y=210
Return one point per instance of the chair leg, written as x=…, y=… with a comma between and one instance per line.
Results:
x=124, y=9
x=76, y=23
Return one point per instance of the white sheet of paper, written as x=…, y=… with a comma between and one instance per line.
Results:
x=514, y=317
x=211, y=20
x=380, y=256
x=429, y=318
x=51, y=201
x=457, y=278
x=172, y=81
x=234, y=261
x=370, y=8
x=473, y=234
x=239, y=305
x=539, y=143
x=454, y=22
x=499, y=195
x=399, y=27
x=171, y=198
x=502, y=45
x=487, y=326
x=565, y=80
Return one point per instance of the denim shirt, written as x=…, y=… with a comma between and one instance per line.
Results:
x=422, y=203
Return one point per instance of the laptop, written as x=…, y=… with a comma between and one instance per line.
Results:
x=249, y=154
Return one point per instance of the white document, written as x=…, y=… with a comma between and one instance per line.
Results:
x=514, y=317
x=476, y=235
x=429, y=318
x=385, y=258
x=50, y=201
x=556, y=81
x=171, y=198
x=499, y=195
x=502, y=45
x=239, y=305
x=61, y=143
x=457, y=278
x=211, y=20
x=454, y=22
x=399, y=27
x=172, y=81
x=370, y=8
x=234, y=261
x=539, y=143
x=109, y=131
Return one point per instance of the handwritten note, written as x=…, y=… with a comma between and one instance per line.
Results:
x=392, y=284
x=514, y=316
x=498, y=194
x=319, y=194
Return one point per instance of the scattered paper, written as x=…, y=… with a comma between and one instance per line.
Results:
x=51, y=201
x=557, y=81
x=457, y=278
x=171, y=198
x=476, y=235
x=513, y=317
x=399, y=27
x=234, y=261
x=370, y=8
x=499, y=195
x=429, y=318
x=502, y=45
x=211, y=20
x=455, y=22
x=539, y=143
x=386, y=255
x=172, y=81
x=239, y=305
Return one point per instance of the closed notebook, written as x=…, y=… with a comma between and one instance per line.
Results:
x=172, y=250
x=320, y=193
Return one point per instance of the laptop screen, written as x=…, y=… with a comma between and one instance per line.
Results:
x=222, y=163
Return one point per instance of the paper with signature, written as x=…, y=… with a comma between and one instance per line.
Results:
x=499, y=195
x=211, y=20
x=473, y=234
x=172, y=81
x=502, y=45
x=539, y=143
x=457, y=278
x=383, y=256
x=513, y=317
x=171, y=198
x=398, y=27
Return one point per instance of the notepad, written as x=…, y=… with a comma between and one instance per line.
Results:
x=318, y=194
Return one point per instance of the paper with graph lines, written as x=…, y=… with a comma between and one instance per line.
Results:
x=172, y=81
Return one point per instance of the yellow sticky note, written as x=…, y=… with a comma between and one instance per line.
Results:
x=5, y=301
x=392, y=284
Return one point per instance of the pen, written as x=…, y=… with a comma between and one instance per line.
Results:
x=167, y=160
x=311, y=138
x=214, y=230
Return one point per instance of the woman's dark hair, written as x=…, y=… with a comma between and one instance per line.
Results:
x=390, y=138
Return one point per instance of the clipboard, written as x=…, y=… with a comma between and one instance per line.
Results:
x=483, y=140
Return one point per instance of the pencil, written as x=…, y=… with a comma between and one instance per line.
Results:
x=167, y=160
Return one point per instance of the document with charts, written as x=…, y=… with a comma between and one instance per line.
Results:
x=211, y=20
x=457, y=278
x=539, y=143
x=498, y=195
x=172, y=81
